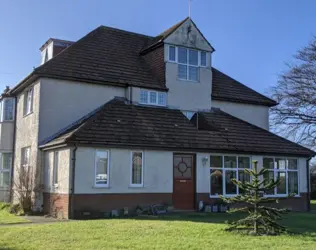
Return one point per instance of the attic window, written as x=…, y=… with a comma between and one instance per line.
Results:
x=188, y=114
x=189, y=61
x=153, y=98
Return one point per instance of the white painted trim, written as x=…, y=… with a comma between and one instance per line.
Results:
x=95, y=167
x=157, y=98
x=175, y=53
x=223, y=169
x=131, y=170
x=286, y=171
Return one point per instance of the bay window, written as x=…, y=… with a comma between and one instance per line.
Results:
x=5, y=167
x=284, y=169
x=7, y=109
x=153, y=97
x=225, y=168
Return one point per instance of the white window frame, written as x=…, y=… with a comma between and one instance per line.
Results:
x=176, y=53
x=23, y=151
x=3, y=105
x=55, y=168
x=188, y=65
x=223, y=169
x=28, y=103
x=200, y=59
x=5, y=170
x=157, y=98
x=286, y=170
x=95, y=169
x=131, y=170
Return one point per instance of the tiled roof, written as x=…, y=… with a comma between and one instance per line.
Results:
x=112, y=56
x=226, y=88
x=121, y=124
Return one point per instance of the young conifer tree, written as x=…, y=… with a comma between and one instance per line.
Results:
x=262, y=218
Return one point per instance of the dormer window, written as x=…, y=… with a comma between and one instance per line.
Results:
x=189, y=61
x=150, y=97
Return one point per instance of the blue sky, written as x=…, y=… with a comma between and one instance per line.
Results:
x=253, y=38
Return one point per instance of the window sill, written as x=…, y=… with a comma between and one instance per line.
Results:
x=101, y=187
x=28, y=114
x=186, y=80
x=7, y=121
x=136, y=186
x=266, y=196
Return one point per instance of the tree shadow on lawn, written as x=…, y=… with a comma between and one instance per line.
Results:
x=296, y=222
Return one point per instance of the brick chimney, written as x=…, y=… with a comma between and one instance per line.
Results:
x=52, y=47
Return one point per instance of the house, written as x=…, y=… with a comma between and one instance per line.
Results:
x=119, y=119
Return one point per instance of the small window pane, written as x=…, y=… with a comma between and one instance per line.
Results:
x=101, y=177
x=203, y=58
x=55, y=170
x=182, y=55
x=281, y=188
x=280, y=163
x=268, y=176
x=292, y=163
x=193, y=73
x=172, y=53
x=293, y=182
x=216, y=182
x=153, y=97
x=243, y=177
x=243, y=162
x=216, y=161
x=182, y=71
x=161, y=98
x=231, y=188
x=6, y=160
x=268, y=163
x=137, y=158
x=4, y=179
x=230, y=162
x=193, y=57
x=8, y=110
x=143, y=96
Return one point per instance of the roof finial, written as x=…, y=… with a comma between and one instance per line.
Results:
x=189, y=8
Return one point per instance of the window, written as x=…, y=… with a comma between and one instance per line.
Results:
x=55, y=168
x=25, y=156
x=188, y=114
x=284, y=169
x=203, y=59
x=102, y=168
x=225, y=168
x=172, y=53
x=137, y=169
x=8, y=109
x=28, y=102
x=5, y=167
x=188, y=64
x=153, y=97
x=189, y=61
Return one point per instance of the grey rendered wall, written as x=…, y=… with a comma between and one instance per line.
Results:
x=64, y=160
x=158, y=172
x=254, y=114
x=63, y=102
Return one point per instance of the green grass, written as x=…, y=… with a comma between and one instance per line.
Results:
x=7, y=218
x=198, y=231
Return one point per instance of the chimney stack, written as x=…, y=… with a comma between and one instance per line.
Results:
x=52, y=47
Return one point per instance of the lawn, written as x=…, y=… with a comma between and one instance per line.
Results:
x=7, y=218
x=190, y=231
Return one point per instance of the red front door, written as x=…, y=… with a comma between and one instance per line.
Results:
x=183, y=181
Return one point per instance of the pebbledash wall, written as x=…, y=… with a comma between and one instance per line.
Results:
x=157, y=188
